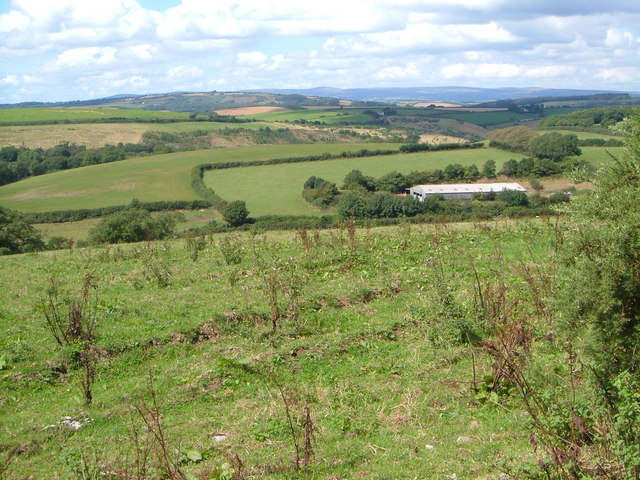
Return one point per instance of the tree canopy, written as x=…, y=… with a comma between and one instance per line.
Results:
x=133, y=225
x=235, y=213
x=16, y=234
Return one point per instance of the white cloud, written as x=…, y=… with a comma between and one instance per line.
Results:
x=409, y=71
x=550, y=71
x=13, y=20
x=287, y=43
x=619, y=38
x=182, y=72
x=251, y=58
x=89, y=56
x=480, y=71
x=618, y=75
x=144, y=51
x=10, y=80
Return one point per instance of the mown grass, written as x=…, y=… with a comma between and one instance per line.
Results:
x=153, y=178
x=10, y=116
x=371, y=352
x=277, y=189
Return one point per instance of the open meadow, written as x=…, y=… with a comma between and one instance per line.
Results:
x=364, y=344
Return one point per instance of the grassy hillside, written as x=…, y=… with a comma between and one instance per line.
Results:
x=34, y=115
x=158, y=177
x=371, y=337
x=95, y=135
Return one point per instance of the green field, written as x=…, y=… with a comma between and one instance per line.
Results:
x=153, y=178
x=371, y=353
x=277, y=189
x=330, y=116
x=33, y=115
x=582, y=135
x=599, y=155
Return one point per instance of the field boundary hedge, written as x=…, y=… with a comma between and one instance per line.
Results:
x=61, y=216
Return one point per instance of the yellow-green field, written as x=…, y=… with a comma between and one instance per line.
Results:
x=153, y=178
x=62, y=114
x=94, y=135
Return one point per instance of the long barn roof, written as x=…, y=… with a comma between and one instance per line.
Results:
x=469, y=188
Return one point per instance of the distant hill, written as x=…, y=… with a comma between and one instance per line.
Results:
x=193, y=101
x=441, y=94
x=326, y=96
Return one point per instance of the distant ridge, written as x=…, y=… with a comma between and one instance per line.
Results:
x=206, y=101
x=441, y=94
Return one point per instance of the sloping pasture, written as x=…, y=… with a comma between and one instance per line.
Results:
x=153, y=178
x=99, y=134
x=34, y=115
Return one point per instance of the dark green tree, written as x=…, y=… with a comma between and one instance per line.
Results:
x=555, y=146
x=353, y=204
x=393, y=182
x=489, y=169
x=454, y=172
x=16, y=234
x=355, y=180
x=513, y=198
x=471, y=173
x=235, y=213
x=133, y=225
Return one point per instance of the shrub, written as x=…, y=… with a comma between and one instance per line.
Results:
x=513, y=198
x=235, y=213
x=320, y=192
x=133, y=225
x=16, y=234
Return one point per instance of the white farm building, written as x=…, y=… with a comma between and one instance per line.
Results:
x=462, y=191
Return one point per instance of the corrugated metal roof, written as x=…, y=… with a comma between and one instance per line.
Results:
x=469, y=188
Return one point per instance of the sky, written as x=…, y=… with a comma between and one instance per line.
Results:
x=59, y=50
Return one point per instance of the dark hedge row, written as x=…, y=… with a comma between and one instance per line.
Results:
x=426, y=147
x=453, y=213
x=60, y=216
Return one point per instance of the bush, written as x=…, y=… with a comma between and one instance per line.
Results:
x=235, y=213
x=133, y=225
x=16, y=234
x=513, y=198
x=320, y=192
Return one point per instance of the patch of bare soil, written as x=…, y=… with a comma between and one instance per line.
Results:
x=435, y=139
x=248, y=110
x=472, y=109
x=436, y=104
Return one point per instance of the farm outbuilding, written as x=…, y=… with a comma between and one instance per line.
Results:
x=462, y=191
